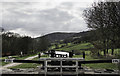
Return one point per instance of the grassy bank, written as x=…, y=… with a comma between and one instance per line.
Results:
x=17, y=57
x=76, y=47
x=98, y=65
x=29, y=65
x=93, y=66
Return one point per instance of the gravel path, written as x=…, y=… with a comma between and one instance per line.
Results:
x=4, y=68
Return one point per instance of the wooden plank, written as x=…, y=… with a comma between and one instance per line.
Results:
x=80, y=62
x=26, y=61
x=45, y=63
x=77, y=67
x=69, y=66
x=59, y=73
x=67, y=59
x=95, y=61
x=53, y=66
x=61, y=66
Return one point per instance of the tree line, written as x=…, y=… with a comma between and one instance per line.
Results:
x=103, y=19
x=14, y=44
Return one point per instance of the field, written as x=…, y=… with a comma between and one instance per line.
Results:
x=17, y=57
x=98, y=65
x=77, y=47
x=93, y=66
x=29, y=65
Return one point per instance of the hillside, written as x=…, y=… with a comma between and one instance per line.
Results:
x=77, y=47
x=57, y=36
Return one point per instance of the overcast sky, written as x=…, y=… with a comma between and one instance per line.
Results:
x=35, y=18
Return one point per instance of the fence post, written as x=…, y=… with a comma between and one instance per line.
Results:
x=84, y=55
x=39, y=55
x=70, y=54
x=77, y=66
x=118, y=67
x=61, y=66
x=45, y=63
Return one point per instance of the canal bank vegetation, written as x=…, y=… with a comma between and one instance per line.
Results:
x=16, y=57
x=90, y=56
x=29, y=65
x=92, y=66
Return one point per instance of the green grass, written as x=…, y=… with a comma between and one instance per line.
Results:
x=77, y=47
x=116, y=52
x=59, y=45
x=26, y=65
x=87, y=52
x=93, y=66
x=4, y=63
x=20, y=58
x=98, y=65
x=86, y=57
x=102, y=66
x=29, y=65
x=17, y=57
x=3, y=57
x=52, y=47
x=77, y=56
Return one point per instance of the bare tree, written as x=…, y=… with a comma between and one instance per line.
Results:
x=104, y=17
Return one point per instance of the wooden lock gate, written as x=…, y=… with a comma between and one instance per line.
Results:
x=60, y=63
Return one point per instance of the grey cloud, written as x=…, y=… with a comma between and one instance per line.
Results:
x=37, y=21
x=55, y=15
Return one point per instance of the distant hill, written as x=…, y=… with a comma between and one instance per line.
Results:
x=56, y=36
x=80, y=34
